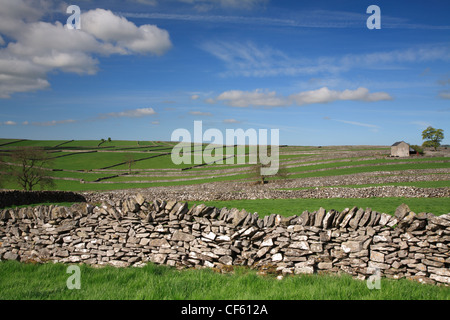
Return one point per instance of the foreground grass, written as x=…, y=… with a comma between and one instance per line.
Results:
x=19, y=281
x=289, y=207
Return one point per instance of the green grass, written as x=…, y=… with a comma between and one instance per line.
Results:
x=96, y=160
x=419, y=184
x=416, y=163
x=35, y=143
x=347, y=171
x=289, y=207
x=20, y=281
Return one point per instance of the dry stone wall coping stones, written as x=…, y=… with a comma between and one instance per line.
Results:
x=138, y=230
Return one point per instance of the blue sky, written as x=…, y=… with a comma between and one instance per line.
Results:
x=139, y=69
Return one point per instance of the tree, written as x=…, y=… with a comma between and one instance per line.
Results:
x=433, y=137
x=109, y=139
x=129, y=160
x=256, y=172
x=27, y=167
x=3, y=169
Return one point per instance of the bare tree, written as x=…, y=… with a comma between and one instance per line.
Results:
x=27, y=167
x=129, y=160
x=3, y=169
x=257, y=173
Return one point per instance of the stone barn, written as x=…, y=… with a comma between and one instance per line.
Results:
x=400, y=149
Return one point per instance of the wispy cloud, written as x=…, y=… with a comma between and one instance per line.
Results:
x=359, y=124
x=250, y=60
x=51, y=123
x=305, y=19
x=421, y=124
x=200, y=113
x=134, y=113
x=372, y=127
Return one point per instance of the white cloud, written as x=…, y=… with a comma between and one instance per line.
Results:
x=9, y=123
x=258, y=98
x=146, y=2
x=250, y=60
x=325, y=95
x=135, y=113
x=205, y=5
x=210, y=101
x=421, y=124
x=195, y=96
x=51, y=123
x=106, y=26
x=155, y=123
x=36, y=48
x=359, y=124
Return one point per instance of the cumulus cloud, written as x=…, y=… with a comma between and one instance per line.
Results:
x=36, y=48
x=325, y=95
x=243, y=99
x=258, y=98
x=106, y=26
x=9, y=123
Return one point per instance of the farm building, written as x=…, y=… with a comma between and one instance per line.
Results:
x=401, y=149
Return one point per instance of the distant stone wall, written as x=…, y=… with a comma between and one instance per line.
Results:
x=18, y=198
x=135, y=231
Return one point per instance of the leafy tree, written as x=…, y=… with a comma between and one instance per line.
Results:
x=109, y=139
x=418, y=149
x=433, y=137
x=28, y=168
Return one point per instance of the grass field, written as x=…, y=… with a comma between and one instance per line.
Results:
x=153, y=165
x=289, y=207
x=84, y=161
x=20, y=281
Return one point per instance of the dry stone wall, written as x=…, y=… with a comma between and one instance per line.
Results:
x=135, y=231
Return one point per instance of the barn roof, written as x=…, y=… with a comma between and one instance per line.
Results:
x=397, y=143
